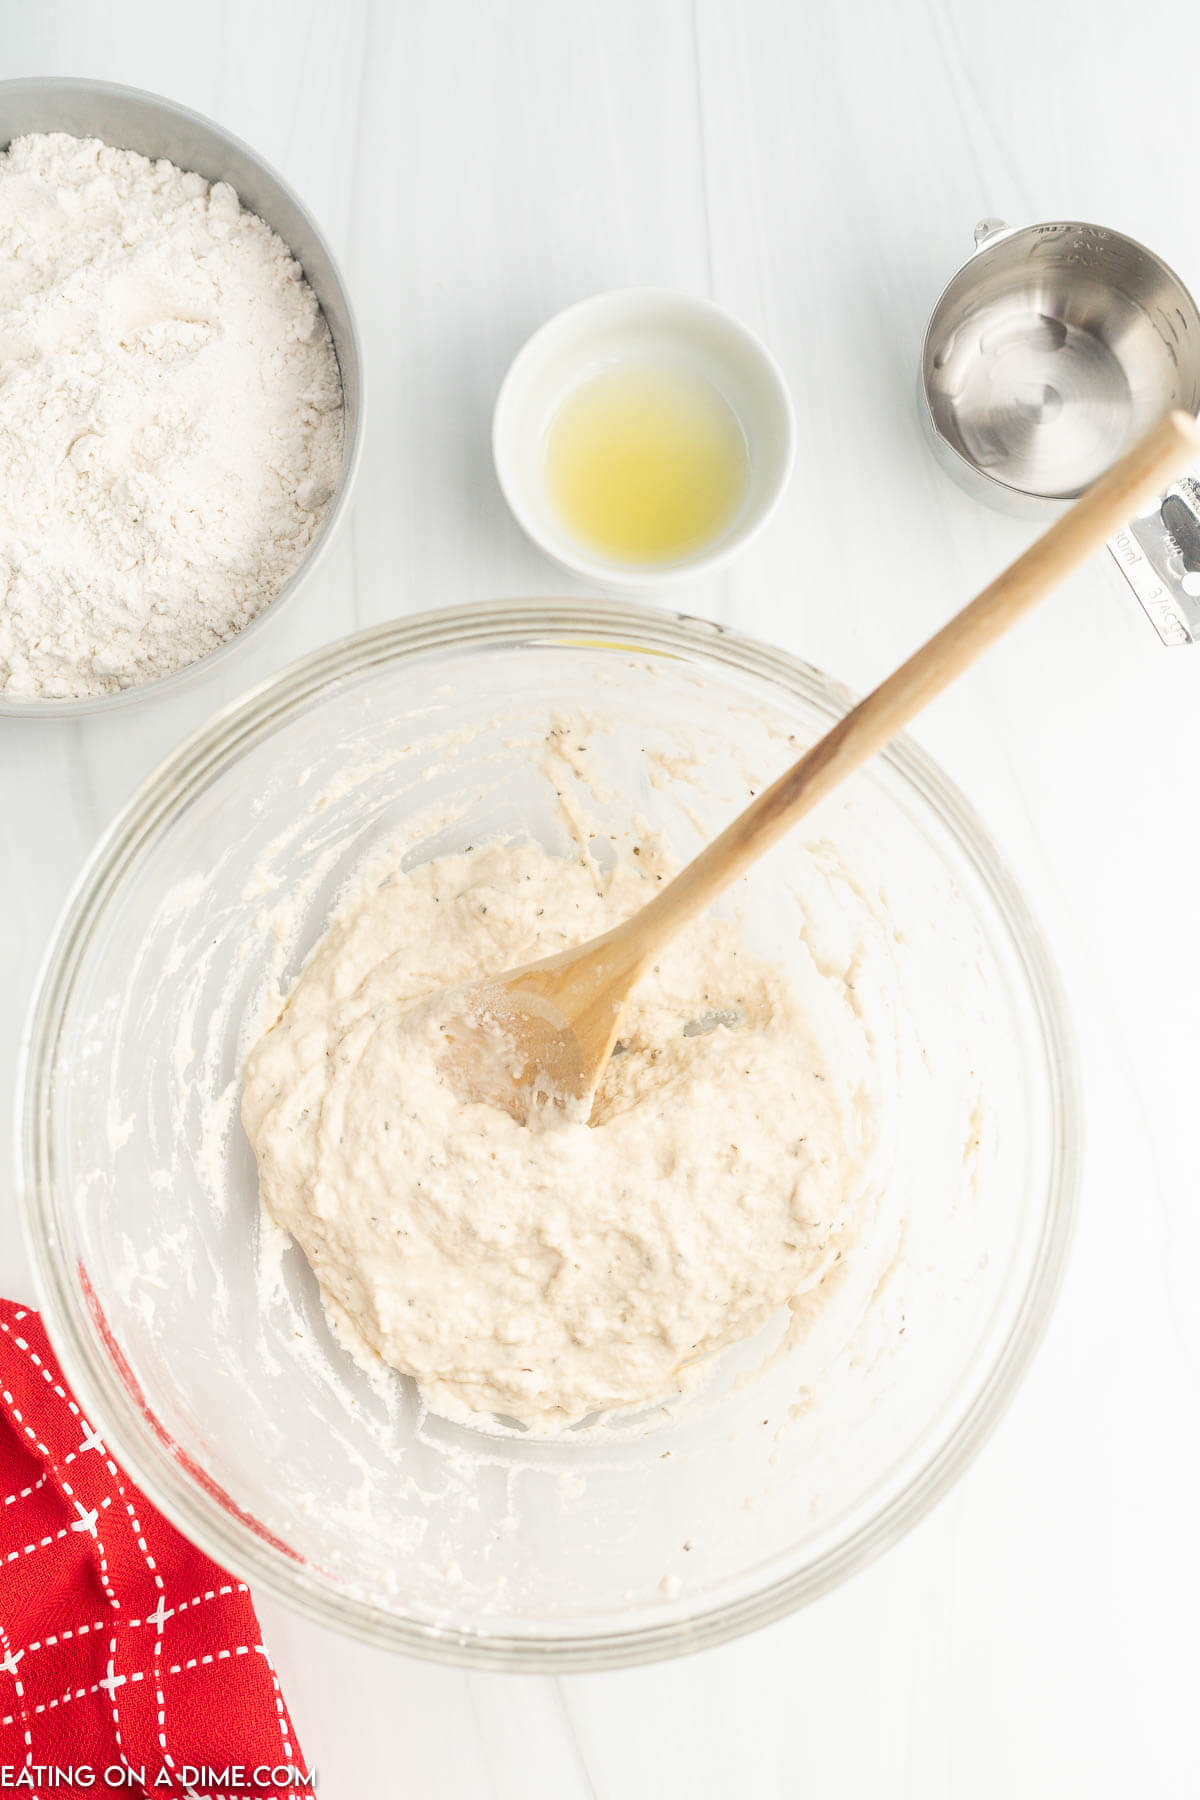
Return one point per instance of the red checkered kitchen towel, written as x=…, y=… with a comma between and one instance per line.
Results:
x=129, y=1662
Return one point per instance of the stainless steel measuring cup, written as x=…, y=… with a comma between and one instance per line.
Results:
x=1049, y=352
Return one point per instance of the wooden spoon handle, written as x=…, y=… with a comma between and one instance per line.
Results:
x=1134, y=480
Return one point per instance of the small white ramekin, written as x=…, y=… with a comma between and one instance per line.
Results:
x=646, y=325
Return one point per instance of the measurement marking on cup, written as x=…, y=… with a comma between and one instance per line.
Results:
x=1155, y=601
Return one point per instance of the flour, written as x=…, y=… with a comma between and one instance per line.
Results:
x=170, y=417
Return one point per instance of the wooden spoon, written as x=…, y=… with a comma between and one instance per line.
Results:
x=543, y=1033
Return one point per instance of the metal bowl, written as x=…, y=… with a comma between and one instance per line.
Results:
x=1049, y=352
x=133, y=120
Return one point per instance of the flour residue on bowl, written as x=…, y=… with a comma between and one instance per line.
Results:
x=458, y=1516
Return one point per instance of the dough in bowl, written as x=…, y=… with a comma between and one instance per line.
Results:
x=544, y=1275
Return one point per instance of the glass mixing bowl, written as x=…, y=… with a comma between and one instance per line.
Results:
x=192, y=1331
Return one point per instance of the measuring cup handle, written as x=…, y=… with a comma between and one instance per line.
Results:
x=988, y=230
x=1148, y=554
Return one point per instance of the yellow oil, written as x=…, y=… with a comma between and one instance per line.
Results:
x=646, y=463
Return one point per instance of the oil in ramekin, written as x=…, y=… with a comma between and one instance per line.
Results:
x=646, y=463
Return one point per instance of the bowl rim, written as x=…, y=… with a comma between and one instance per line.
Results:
x=80, y=705
x=595, y=566
x=194, y=1507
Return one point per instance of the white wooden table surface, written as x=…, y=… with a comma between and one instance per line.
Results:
x=818, y=168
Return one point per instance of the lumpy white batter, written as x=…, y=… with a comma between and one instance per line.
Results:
x=545, y=1275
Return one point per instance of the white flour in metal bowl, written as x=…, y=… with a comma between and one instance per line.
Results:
x=170, y=417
